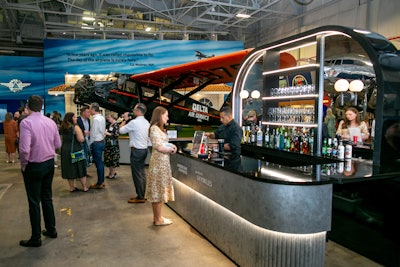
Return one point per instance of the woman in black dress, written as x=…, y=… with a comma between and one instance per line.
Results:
x=111, y=152
x=69, y=131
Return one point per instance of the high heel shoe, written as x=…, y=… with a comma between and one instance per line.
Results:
x=112, y=177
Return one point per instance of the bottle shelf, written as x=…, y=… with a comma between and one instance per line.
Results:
x=307, y=125
x=297, y=97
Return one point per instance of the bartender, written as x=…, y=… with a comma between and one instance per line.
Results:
x=231, y=132
x=352, y=128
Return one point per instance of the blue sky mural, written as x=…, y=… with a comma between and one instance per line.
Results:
x=98, y=57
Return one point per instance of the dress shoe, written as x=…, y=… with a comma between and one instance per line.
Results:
x=49, y=234
x=30, y=243
x=137, y=200
x=97, y=186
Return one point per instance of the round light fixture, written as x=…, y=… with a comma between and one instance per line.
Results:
x=244, y=94
x=356, y=86
x=255, y=94
x=341, y=85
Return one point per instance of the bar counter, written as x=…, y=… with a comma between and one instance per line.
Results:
x=263, y=213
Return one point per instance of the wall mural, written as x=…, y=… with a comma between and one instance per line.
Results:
x=21, y=77
x=121, y=56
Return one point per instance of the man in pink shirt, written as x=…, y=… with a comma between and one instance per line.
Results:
x=38, y=141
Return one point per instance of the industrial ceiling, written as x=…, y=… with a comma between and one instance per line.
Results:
x=25, y=24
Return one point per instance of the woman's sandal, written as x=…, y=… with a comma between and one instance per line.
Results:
x=164, y=222
x=75, y=190
x=112, y=177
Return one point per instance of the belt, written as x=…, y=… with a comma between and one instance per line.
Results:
x=101, y=141
x=134, y=148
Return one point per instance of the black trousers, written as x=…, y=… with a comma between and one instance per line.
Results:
x=38, y=179
x=138, y=158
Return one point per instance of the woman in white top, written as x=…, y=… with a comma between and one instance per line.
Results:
x=353, y=126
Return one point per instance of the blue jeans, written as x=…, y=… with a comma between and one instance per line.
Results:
x=97, y=154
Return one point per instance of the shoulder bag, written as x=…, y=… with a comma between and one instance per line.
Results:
x=78, y=155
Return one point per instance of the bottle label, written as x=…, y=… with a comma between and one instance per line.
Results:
x=348, y=152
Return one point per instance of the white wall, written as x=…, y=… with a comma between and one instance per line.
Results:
x=380, y=16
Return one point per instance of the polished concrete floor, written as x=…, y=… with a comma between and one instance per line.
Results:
x=99, y=228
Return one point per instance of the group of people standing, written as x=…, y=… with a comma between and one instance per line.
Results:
x=40, y=138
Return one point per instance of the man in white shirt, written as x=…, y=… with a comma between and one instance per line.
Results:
x=138, y=130
x=97, y=143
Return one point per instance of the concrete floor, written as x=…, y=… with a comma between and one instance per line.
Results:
x=100, y=228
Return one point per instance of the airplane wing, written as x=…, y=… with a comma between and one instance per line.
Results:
x=218, y=69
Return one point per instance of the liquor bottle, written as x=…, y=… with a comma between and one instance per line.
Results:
x=311, y=141
x=329, y=148
x=292, y=139
x=282, y=139
x=296, y=144
x=253, y=134
x=324, y=147
x=248, y=132
x=305, y=146
x=287, y=141
x=266, y=137
x=348, y=151
x=244, y=140
x=335, y=148
x=272, y=139
x=259, y=134
x=341, y=150
x=277, y=139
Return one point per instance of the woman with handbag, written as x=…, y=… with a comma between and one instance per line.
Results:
x=73, y=160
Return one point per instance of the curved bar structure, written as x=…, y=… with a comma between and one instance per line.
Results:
x=255, y=222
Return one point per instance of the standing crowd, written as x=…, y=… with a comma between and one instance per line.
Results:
x=82, y=141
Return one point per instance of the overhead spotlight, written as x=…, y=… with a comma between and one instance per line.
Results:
x=243, y=16
x=88, y=18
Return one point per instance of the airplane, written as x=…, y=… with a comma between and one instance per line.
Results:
x=158, y=87
x=200, y=55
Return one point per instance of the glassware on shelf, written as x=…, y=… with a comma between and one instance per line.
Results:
x=292, y=114
x=293, y=90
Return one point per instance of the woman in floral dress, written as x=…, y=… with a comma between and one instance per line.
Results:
x=111, y=152
x=159, y=188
